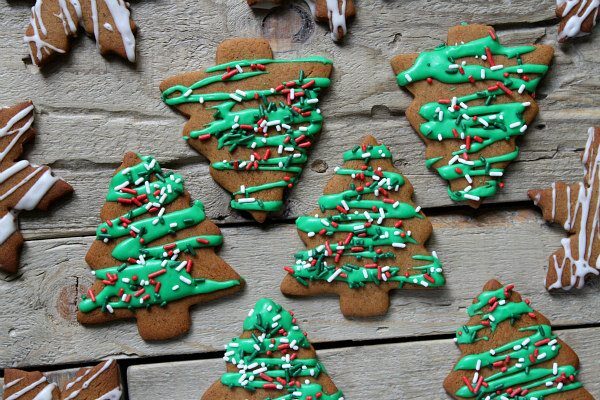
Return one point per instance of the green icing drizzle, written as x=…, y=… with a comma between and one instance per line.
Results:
x=150, y=274
x=464, y=118
x=515, y=363
x=285, y=127
x=365, y=223
x=259, y=369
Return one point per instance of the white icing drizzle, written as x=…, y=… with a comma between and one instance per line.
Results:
x=8, y=225
x=74, y=382
x=114, y=394
x=37, y=191
x=120, y=15
x=45, y=394
x=337, y=16
x=37, y=11
x=87, y=383
x=39, y=43
x=108, y=27
x=11, y=384
x=588, y=214
x=64, y=9
x=572, y=28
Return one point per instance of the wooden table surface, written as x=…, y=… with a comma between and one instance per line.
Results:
x=90, y=111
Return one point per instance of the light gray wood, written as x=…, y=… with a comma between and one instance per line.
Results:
x=385, y=372
x=510, y=245
x=90, y=110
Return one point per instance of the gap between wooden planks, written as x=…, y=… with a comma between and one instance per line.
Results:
x=388, y=377
x=512, y=245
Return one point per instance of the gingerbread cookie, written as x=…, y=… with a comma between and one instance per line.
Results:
x=366, y=238
x=509, y=351
x=272, y=359
x=54, y=22
x=23, y=385
x=254, y=118
x=578, y=18
x=473, y=98
x=577, y=208
x=101, y=382
x=334, y=12
x=154, y=256
x=23, y=186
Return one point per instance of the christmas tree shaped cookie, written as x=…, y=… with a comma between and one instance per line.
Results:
x=473, y=98
x=577, y=208
x=510, y=352
x=366, y=238
x=272, y=360
x=254, y=117
x=154, y=256
x=23, y=186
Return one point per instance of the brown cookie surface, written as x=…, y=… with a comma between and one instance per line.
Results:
x=509, y=350
x=272, y=358
x=101, y=382
x=23, y=186
x=577, y=208
x=154, y=256
x=23, y=385
x=54, y=22
x=254, y=117
x=473, y=97
x=578, y=18
x=366, y=238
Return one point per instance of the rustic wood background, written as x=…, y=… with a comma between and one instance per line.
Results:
x=90, y=110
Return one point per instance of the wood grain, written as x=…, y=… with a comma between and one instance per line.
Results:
x=510, y=245
x=91, y=110
x=384, y=372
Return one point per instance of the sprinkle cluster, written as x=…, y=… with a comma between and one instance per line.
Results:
x=364, y=224
x=275, y=133
x=274, y=357
x=520, y=369
x=478, y=120
x=150, y=274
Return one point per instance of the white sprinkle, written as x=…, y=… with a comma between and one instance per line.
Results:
x=521, y=88
x=235, y=97
x=496, y=173
x=246, y=200
x=523, y=128
x=496, y=67
x=407, y=77
x=471, y=197
x=185, y=280
x=515, y=124
x=334, y=275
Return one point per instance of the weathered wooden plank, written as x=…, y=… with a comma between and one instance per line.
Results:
x=510, y=245
x=91, y=110
x=545, y=158
x=413, y=370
